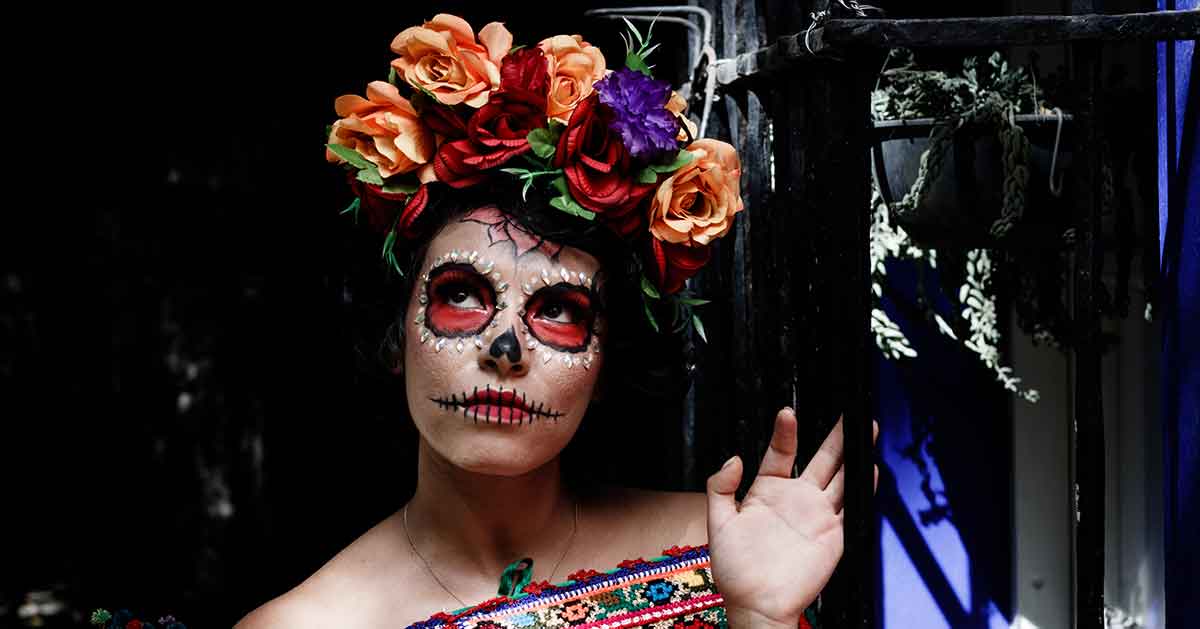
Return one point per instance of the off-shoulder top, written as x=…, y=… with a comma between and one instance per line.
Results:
x=672, y=591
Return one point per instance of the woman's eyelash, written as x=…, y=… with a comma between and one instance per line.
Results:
x=453, y=287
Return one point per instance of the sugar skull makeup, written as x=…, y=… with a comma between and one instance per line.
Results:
x=504, y=343
x=464, y=290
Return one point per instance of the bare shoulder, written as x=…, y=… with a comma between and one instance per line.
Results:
x=349, y=591
x=664, y=518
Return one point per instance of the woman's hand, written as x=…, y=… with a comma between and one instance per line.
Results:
x=773, y=553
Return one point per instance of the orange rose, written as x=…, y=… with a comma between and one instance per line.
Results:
x=697, y=203
x=678, y=106
x=384, y=128
x=444, y=58
x=574, y=66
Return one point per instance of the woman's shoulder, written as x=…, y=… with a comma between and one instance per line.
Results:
x=340, y=594
x=670, y=517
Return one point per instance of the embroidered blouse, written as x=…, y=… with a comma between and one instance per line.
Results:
x=672, y=591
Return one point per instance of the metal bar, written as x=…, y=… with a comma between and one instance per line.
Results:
x=1007, y=31
x=837, y=36
x=828, y=166
x=1088, y=422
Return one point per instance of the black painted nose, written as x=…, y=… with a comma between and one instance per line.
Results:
x=506, y=345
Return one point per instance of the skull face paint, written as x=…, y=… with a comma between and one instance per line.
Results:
x=461, y=301
x=498, y=378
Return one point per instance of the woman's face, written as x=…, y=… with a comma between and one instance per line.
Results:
x=502, y=347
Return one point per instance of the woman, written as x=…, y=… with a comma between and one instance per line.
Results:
x=519, y=312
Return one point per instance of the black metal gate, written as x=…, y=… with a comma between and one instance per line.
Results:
x=793, y=97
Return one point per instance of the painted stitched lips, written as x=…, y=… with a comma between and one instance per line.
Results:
x=497, y=406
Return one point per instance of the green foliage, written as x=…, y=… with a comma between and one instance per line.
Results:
x=544, y=141
x=370, y=175
x=635, y=56
x=401, y=185
x=684, y=320
x=353, y=157
x=905, y=91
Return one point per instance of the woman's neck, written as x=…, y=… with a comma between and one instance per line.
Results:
x=477, y=522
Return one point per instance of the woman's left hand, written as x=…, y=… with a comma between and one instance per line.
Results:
x=773, y=553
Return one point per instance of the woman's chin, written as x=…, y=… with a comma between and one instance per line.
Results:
x=500, y=451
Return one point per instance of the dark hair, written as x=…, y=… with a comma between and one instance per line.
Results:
x=645, y=373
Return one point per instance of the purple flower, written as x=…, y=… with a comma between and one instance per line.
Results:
x=640, y=116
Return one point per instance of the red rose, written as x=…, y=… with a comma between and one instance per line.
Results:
x=134, y=624
x=497, y=132
x=382, y=208
x=526, y=71
x=442, y=120
x=599, y=171
x=674, y=264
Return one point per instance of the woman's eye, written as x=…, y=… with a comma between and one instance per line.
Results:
x=558, y=313
x=463, y=298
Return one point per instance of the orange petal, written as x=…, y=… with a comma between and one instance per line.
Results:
x=457, y=26
x=498, y=41
x=350, y=104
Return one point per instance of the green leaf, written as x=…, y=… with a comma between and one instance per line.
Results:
x=650, y=315
x=636, y=33
x=388, y=242
x=691, y=301
x=353, y=207
x=556, y=127
x=647, y=175
x=350, y=155
x=648, y=288
x=391, y=258
x=699, y=327
x=515, y=48
x=560, y=184
x=370, y=175
x=392, y=75
x=682, y=158
x=543, y=141
x=400, y=187
x=635, y=62
x=519, y=172
x=570, y=206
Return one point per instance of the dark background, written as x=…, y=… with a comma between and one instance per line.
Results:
x=188, y=427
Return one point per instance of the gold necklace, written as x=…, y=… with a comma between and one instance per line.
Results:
x=429, y=568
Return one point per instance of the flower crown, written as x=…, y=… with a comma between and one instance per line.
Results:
x=613, y=145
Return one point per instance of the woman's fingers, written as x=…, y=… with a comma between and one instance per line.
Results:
x=836, y=490
x=722, y=504
x=781, y=454
x=827, y=460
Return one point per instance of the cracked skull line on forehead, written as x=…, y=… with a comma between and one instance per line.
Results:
x=465, y=292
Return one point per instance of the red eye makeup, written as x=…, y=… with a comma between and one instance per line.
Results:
x=561, y=317
x=461, y=302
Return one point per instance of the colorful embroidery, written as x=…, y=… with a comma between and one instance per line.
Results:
x=674, y=591
x=123, y=619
